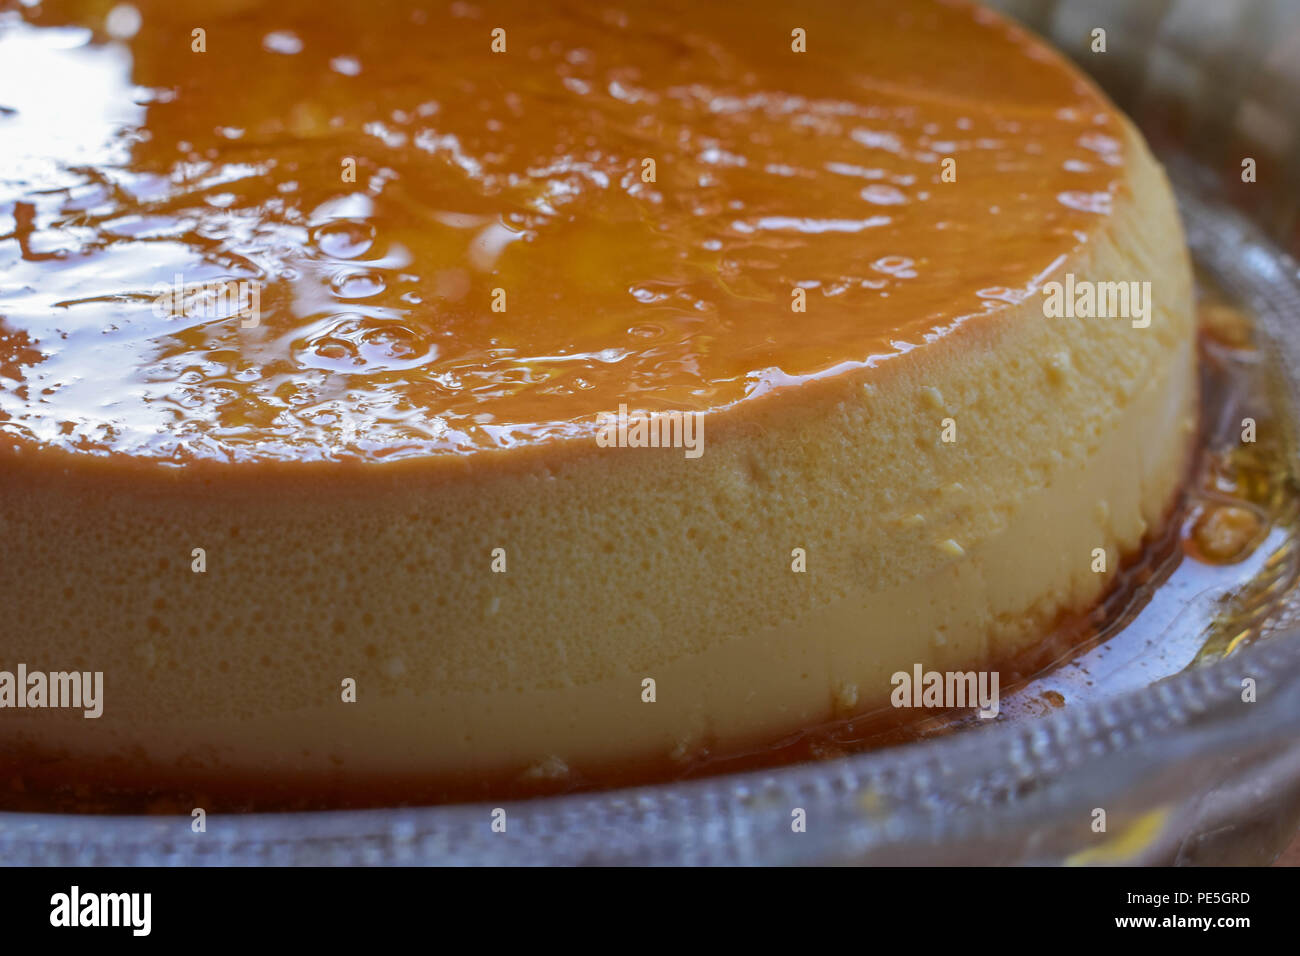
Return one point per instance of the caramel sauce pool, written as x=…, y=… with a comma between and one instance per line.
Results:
x=382, y=178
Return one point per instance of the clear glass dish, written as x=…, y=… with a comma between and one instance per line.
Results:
x=1146, y=721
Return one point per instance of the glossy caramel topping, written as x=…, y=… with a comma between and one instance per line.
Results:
x=128, y=158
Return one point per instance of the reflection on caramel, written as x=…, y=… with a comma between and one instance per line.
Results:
x=126, y=162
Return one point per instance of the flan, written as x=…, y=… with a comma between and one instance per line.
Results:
x=381, y=515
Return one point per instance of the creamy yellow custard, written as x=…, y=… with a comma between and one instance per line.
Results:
x=367, y=531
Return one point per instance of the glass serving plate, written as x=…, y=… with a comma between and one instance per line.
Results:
x=1145, y=720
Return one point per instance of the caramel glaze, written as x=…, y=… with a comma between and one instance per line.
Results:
x=124, y=162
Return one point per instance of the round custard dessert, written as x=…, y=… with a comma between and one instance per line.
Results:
x=331, y=345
